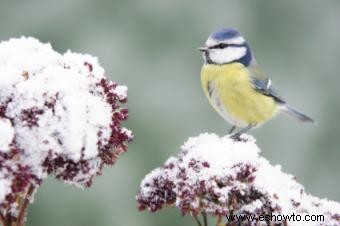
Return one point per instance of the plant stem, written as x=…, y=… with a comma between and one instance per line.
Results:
x=23, y=205
x=8, y=219
x=2, y=219
x=205, y=219
x=219, y=219
x=197, y=220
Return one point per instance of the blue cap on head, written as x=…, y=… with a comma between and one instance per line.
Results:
x=233, y=40
x=225, y=33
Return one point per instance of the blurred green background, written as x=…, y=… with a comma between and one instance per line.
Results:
x=150, y=45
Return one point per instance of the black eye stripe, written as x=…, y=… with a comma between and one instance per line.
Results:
x=225, y=45
x=220, y=46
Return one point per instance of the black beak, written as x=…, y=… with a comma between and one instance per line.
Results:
x=203, y=49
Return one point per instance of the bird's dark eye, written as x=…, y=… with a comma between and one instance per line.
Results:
x=220, y=46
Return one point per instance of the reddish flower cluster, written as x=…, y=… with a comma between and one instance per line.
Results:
x=174, y=185
x=220, y=177
x=30, y=116
x=59, y=115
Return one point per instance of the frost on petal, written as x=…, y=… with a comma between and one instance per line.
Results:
x=59, y=115
x=219, y=176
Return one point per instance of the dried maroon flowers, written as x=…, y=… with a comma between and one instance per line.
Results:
x=59, y=115
x=221, y=177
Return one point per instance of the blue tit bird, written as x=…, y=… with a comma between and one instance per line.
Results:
x=236, y=87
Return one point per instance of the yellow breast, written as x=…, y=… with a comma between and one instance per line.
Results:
x=231, y=93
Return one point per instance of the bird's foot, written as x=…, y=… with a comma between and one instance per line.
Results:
x=237, y=137
x=232, y=130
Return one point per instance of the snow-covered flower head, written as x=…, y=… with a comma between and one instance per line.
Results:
x=59, y=115
x=220, y=177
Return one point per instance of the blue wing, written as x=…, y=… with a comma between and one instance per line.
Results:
x=264, y=85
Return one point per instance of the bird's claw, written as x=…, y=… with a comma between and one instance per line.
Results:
x=237, y=137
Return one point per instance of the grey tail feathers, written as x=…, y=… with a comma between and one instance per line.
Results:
x=296, y=114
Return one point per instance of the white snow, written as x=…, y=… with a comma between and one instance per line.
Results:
x=121, y=91
x=78, y=113
x=6, y=134
x=55, y=107
x=226, y=160
x=5, y=188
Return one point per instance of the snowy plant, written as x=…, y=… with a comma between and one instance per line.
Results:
x=220, y=177
x=59, y=115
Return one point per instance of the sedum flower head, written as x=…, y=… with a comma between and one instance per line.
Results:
x=218, y=176
x=59, y=115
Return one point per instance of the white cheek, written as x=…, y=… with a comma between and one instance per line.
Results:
x=227, y=55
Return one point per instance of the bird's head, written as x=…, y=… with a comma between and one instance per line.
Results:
x=226, y=46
